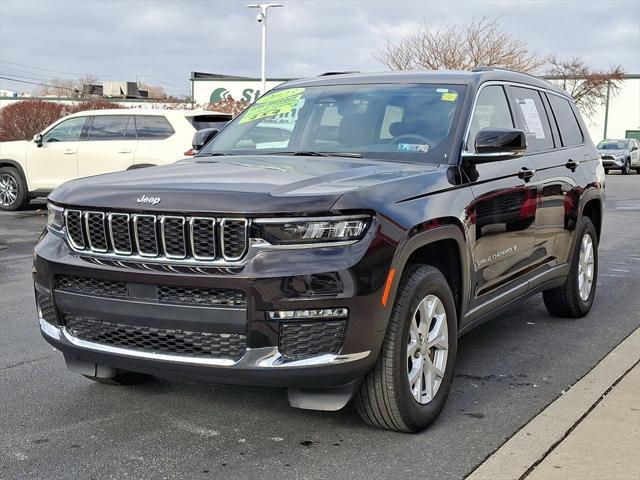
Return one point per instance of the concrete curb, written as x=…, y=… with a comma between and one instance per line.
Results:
x=529, y=446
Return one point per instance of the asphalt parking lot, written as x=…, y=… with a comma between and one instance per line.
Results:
x=55, y=424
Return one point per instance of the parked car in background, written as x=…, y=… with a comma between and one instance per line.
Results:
x=623, y=155
x=95, y=142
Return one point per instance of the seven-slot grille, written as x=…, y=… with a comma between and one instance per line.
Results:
x=170, y=237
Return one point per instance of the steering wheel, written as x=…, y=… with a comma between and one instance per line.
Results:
x=412, y=136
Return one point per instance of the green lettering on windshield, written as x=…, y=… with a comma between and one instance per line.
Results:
x=280, y=102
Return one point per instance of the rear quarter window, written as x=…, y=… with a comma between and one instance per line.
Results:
x=153, y=127
x=566, y=120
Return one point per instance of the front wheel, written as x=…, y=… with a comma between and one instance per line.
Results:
x=409, y=385
x=13, y=189
x=575, y=297
x=626, y=168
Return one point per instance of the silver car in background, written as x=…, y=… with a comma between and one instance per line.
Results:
x=623, y=155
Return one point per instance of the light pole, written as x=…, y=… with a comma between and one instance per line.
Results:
x=262, y=18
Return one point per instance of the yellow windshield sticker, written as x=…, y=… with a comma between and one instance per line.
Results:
x=449, y=97
x=276, y=103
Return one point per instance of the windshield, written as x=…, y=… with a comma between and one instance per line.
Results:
x=393, y=122
x=614, y=145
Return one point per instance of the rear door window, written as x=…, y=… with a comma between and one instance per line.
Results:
x=570, y=132
x=153, y=127
x=533, y=119
x=108, y=127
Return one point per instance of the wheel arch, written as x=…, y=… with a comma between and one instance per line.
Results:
x=427, y=247
x=593, y=210
x=4, y=162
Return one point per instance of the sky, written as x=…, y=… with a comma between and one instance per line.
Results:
x=161, y=41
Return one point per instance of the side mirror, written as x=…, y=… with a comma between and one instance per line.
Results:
x=634, y=148
x=496, y=144
x=202, y=137
x=37, y=139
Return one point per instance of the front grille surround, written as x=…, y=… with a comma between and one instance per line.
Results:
x=173, y=238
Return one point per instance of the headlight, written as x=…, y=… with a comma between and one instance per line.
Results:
x=313, y=230
x=55, y=218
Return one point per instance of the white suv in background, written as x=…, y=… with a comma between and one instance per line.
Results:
x=95, y=142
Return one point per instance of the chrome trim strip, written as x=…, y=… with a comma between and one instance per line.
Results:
x=113, y=244
x=72, y=242
x=50, y=330
x=245, y=222
x=135, y=234
x=309, y=219
x=192, y=236
x=266, y=357
x=163, y=218
x=88, y=231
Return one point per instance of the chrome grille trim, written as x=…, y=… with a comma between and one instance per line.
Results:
x=178, y=239
x=136, y=234
x=72, y=241
x=127, y=218
x=163, y=237
x=194, y=249
x=87, y=218
x=245, y=224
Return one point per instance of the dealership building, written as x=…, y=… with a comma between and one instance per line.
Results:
x=619, y=117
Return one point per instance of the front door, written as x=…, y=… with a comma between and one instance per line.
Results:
x=502, y=216
x=56, y=161
x=110, y=145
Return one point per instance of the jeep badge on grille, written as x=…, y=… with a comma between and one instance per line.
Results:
x=149, y=200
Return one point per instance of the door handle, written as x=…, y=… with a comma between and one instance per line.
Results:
x=124, y=151
x=526, y=173
x=572, y=165
x=69, y=151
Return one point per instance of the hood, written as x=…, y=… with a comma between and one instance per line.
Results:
x=235, y=184
x=15, y=148
x=614, y=153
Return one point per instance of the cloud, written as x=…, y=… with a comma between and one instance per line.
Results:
x=162, y=41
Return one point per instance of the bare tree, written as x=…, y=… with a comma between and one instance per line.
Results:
x=67, y=87
x=587, y=86
x=478, y=42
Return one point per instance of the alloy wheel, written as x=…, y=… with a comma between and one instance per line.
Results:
x=8, y=190
x=586, y=263
x=427, y=349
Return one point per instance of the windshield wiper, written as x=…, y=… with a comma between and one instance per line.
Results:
x=311, y=153
x=214, y=154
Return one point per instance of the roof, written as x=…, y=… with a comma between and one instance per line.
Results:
x=221, y=77
x=147, y=111
x=474, y=77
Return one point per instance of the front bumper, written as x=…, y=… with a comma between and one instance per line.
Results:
x=612, y=162
x=262, y=362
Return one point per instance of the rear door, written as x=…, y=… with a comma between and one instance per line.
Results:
x=155, y=141
x=109, y=147
x=56, y=161
x=503, y=212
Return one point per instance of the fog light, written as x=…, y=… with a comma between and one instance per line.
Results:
x=331, y=313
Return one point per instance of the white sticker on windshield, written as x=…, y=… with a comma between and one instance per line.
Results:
x=533, y=124
x=413, y=147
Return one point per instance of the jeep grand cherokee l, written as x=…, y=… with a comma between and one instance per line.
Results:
x=335, y=239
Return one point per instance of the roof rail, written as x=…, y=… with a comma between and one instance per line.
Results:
x=326, y=74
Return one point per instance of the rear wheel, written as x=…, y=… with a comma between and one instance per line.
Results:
x=575, y=297
x=123, y=378
x=13, y=189
x=409, y=385
x=606, y=171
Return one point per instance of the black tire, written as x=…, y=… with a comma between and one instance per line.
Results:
x=626, y=168
x=123, y=378
x=384, y=398
x=606, y=171
x=638, y=170
x=13, y=177
x=565, y=301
